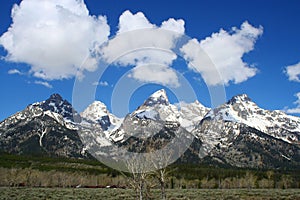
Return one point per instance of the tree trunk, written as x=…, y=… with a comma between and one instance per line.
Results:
x=137, y=194
x=141, y=191
x=163, y=192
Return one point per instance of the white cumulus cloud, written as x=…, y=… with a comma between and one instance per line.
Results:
x=174, y=25
x=226, y=51
x=138, y=42
x=293, y=72
x=295, y=110
x=43, y=83
x=129, y=22
x=54, y=37
x=154, y=73
x=14, y=71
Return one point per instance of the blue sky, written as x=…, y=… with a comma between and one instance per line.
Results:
x=263, y=50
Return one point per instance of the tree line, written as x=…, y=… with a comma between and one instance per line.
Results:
x=16, y=171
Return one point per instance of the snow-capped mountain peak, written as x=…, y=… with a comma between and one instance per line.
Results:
x=157, y=107
x=55, y=103
x=240, y=98
x=158, y=97
x=242, y=110
x=160, y=93
x=95, y=111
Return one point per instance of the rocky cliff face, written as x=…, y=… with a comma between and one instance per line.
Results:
x=42, y=132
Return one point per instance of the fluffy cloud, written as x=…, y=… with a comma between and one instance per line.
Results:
x=293, y=72
x=59, y=39
x=154, y=73
x=14, y=71
x=56, y=38
x=129, y=22
x=138, y=43
x=43, y=83
x=174, y=25
x=101, y=83
x=295, y=110
x=225, y=50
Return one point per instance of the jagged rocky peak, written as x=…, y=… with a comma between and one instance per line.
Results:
x=240, y=109
x=157, y=107
x=57, y=104
x=95, y=111
x=54, y=102
x=239, y=98
x=55, y=97
x=158, y=97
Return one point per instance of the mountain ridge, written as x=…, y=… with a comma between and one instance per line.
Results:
x=225, y=134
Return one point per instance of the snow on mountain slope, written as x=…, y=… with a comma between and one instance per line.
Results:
x=97, y=112
x=158, y=107
x=55, y=107
x=158, y=97
x=238, y=132
x=28, y=114
x=148, y=114
x=191, y=114
x=36, y=131
x=55, y=103
x=241, y=109
x=59, y=118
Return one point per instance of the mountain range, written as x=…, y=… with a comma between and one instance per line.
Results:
x=237, y=133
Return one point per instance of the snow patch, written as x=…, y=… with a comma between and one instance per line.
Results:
x=147, y=114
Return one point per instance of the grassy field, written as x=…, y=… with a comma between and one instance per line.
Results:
x=110, y=194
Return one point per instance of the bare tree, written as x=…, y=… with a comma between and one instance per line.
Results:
x=162, y=172
x=42, y=132
x=138, y=179
x=160, y=159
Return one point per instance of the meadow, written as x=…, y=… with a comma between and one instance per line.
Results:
x=126, y=194
x=57, y=178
